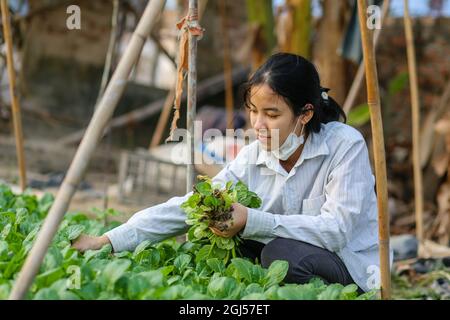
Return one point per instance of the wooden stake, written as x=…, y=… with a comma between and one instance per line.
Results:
x=191, y=93
x=227, y=68
x=163, y=119
x=17, y=119
x=373, y=95
x=110, y=52
x=358, y=80
x=87, y=147
x=415, y=108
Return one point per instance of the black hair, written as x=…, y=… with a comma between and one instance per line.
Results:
x=297, y=81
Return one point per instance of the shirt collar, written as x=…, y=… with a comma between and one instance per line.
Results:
x=315, y=146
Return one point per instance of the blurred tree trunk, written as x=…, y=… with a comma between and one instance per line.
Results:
x=332, y=67
x=261, y=20
x=294, y=27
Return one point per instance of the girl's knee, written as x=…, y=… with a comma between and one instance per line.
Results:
x=277, y=249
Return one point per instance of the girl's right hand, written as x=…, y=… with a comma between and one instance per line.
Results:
x=85, y=242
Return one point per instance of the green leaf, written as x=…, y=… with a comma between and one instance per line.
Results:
x=254, y=296
x=258, y=274
x=53, y=259
x=276, y=273
x=47, y=278
x=203, y=188
x=243, y=268
x=272, y=293
x=98, y=254
x=253, y=288
x=4, y=250
x=166, y=270
x=332, y=292
x=359, y=115
x=113, y=271
x=45, y=203
x=398, y=83
x=141, y=247
x=47, y=294
x=182, y=261
x=297, y=292
x=21, y=216
x=350, y=292
x=373, y=294
x=5, y=290
x=223, y=287
x=203, y=253
x=74, y=231
x=5, y=232
x=216, y=265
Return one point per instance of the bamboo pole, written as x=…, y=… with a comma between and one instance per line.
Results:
x=227, y=68
x=415, y=108
x=191, y=93
x=110, y=52
x=17, y=119
x=87, y=147
x=163, y=119
x=358, y=80
x=373, y=96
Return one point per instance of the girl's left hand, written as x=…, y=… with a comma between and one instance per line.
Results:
x=235, y=224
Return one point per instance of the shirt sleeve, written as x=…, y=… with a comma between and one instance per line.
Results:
x=349, y=184
x=166, y=220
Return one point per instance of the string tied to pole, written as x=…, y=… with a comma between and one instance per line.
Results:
x=187, y=25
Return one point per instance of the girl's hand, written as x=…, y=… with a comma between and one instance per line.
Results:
x=235, y=224
x=85, y=242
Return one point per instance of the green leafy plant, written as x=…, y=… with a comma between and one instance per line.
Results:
x=166, y=270
x=211, y=206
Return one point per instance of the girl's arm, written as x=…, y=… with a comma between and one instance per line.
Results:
x=167, y=219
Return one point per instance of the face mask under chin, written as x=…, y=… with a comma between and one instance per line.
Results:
x=290, y=145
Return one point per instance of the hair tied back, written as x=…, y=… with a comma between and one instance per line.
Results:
x=324, y=94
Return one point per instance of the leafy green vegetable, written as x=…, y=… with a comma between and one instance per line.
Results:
x=165, y=270
x=211, y=206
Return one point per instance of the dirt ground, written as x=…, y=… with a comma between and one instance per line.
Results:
x=47, y=164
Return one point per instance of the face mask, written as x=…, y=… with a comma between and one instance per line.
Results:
x=290, y=145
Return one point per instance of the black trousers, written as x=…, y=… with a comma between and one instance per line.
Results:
x=306, y=261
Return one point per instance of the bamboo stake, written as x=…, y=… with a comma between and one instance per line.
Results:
x=227, y=68
x=191, y=92
x=110, y=52
x=415, y=108
x=87, y=147
x=373, y=95
x=358, y=80
x=163, y=119
x=17, y=119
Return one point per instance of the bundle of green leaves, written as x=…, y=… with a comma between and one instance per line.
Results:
x=210, y=205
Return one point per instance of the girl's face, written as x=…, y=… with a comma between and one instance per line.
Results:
x=271, y=118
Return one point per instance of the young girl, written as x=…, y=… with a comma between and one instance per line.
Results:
x=319, y=208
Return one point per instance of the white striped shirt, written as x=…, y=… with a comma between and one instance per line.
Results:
x=327, y=199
